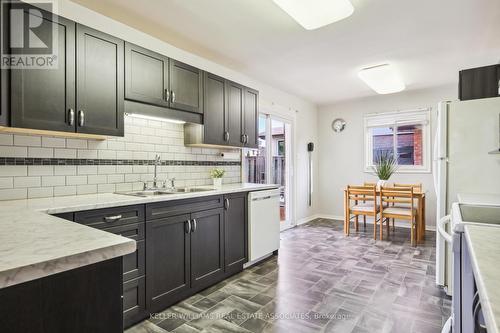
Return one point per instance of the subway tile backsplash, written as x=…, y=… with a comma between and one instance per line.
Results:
x=36, y=167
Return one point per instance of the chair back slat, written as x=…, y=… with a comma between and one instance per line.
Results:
x=361, y=193
x=397, y=195
x=416, y=187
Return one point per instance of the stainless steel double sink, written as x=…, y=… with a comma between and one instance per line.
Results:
x=158, y=192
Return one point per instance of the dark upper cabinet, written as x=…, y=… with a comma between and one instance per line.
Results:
x=167, y=263
x=146, y=76
x=235, y=228
x=215, y=107
x=250, y=118
x=186, y=87
x=207, y=247
x=45, y=98
x=100, y=84
x=482, y=82
x=233, y=117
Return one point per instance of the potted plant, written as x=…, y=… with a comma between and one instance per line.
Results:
x=385, y=166
x=217, y=175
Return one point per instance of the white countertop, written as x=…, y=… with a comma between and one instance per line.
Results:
x=479, y=199
x=483, y=243
x=34, y=244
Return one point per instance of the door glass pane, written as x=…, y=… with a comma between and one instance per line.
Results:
x=409, y=145
x=383, y=142
x=278, y=162
x=255, y=159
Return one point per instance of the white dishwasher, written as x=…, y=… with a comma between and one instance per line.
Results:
x=263, y=223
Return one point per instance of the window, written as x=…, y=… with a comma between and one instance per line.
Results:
x=404, y=135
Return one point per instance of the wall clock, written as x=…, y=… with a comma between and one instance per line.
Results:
x=338, y=125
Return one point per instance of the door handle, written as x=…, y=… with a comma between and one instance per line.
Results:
x=71, y=117
x=173, y=96
x=195, y=226
x=167, y=95
x=81, y=118
x=188, y=226
x=226, y=204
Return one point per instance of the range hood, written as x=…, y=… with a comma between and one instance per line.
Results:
x=497, y=151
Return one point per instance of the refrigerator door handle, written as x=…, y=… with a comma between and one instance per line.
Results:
x=442, y=229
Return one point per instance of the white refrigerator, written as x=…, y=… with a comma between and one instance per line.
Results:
x=466, y=160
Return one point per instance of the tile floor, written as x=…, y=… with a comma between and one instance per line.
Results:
x=322, y=281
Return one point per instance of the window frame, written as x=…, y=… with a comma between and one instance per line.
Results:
x=395, y=119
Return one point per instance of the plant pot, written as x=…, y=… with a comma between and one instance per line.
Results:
x=381, y=183
x=217, y=182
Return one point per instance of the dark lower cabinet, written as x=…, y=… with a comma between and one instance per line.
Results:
x=235, y=231
x=482, y=82
x=100, y=84
x=207, y=247
x=86, y=299
x=134, y=301
x=168, y=258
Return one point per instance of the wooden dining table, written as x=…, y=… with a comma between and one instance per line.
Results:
x=419, y=195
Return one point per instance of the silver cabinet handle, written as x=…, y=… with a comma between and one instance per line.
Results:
x=112, y=218
x=226, y=204
x=246, y=138
x=173, y=96
x=71, y=117
x=242, y=138
x=167, y=95
x=188, y=226
x=81, y=118
x=195, y=225
x=226, y=136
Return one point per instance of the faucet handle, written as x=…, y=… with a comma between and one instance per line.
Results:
x=144, y=185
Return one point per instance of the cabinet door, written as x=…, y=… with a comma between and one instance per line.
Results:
x=235, y=232
x=478, y=83
x=233, y=121
x=146, y=76
x=214, y=109
x=100, y=97
x=251, y=116
x=134, y=301
x=167, y=261
x=207, y=247
x=186, y=89
x=45, y=98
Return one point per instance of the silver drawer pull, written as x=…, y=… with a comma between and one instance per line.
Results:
x=112, y=218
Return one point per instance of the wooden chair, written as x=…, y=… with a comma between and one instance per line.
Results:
x=416, y=187
x=365, y=204
x=398, y=203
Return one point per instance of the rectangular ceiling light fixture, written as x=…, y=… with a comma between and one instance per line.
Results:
x=384, y=79
x=314, y=14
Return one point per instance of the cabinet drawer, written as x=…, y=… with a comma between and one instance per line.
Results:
x=133, y=231
x=177, y=207
x=134, y=301
x=110, y=217
x=134, y=263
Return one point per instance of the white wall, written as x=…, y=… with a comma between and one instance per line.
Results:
x=342, y=154
x=306, y=112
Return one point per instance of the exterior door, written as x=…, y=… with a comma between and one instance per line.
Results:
x=168, y=260
x=146, y=76
x=45, y=98
x=207, y=247
x=186, y=89
x=100, y=96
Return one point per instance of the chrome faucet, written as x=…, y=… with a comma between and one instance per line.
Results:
x=155, y=177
